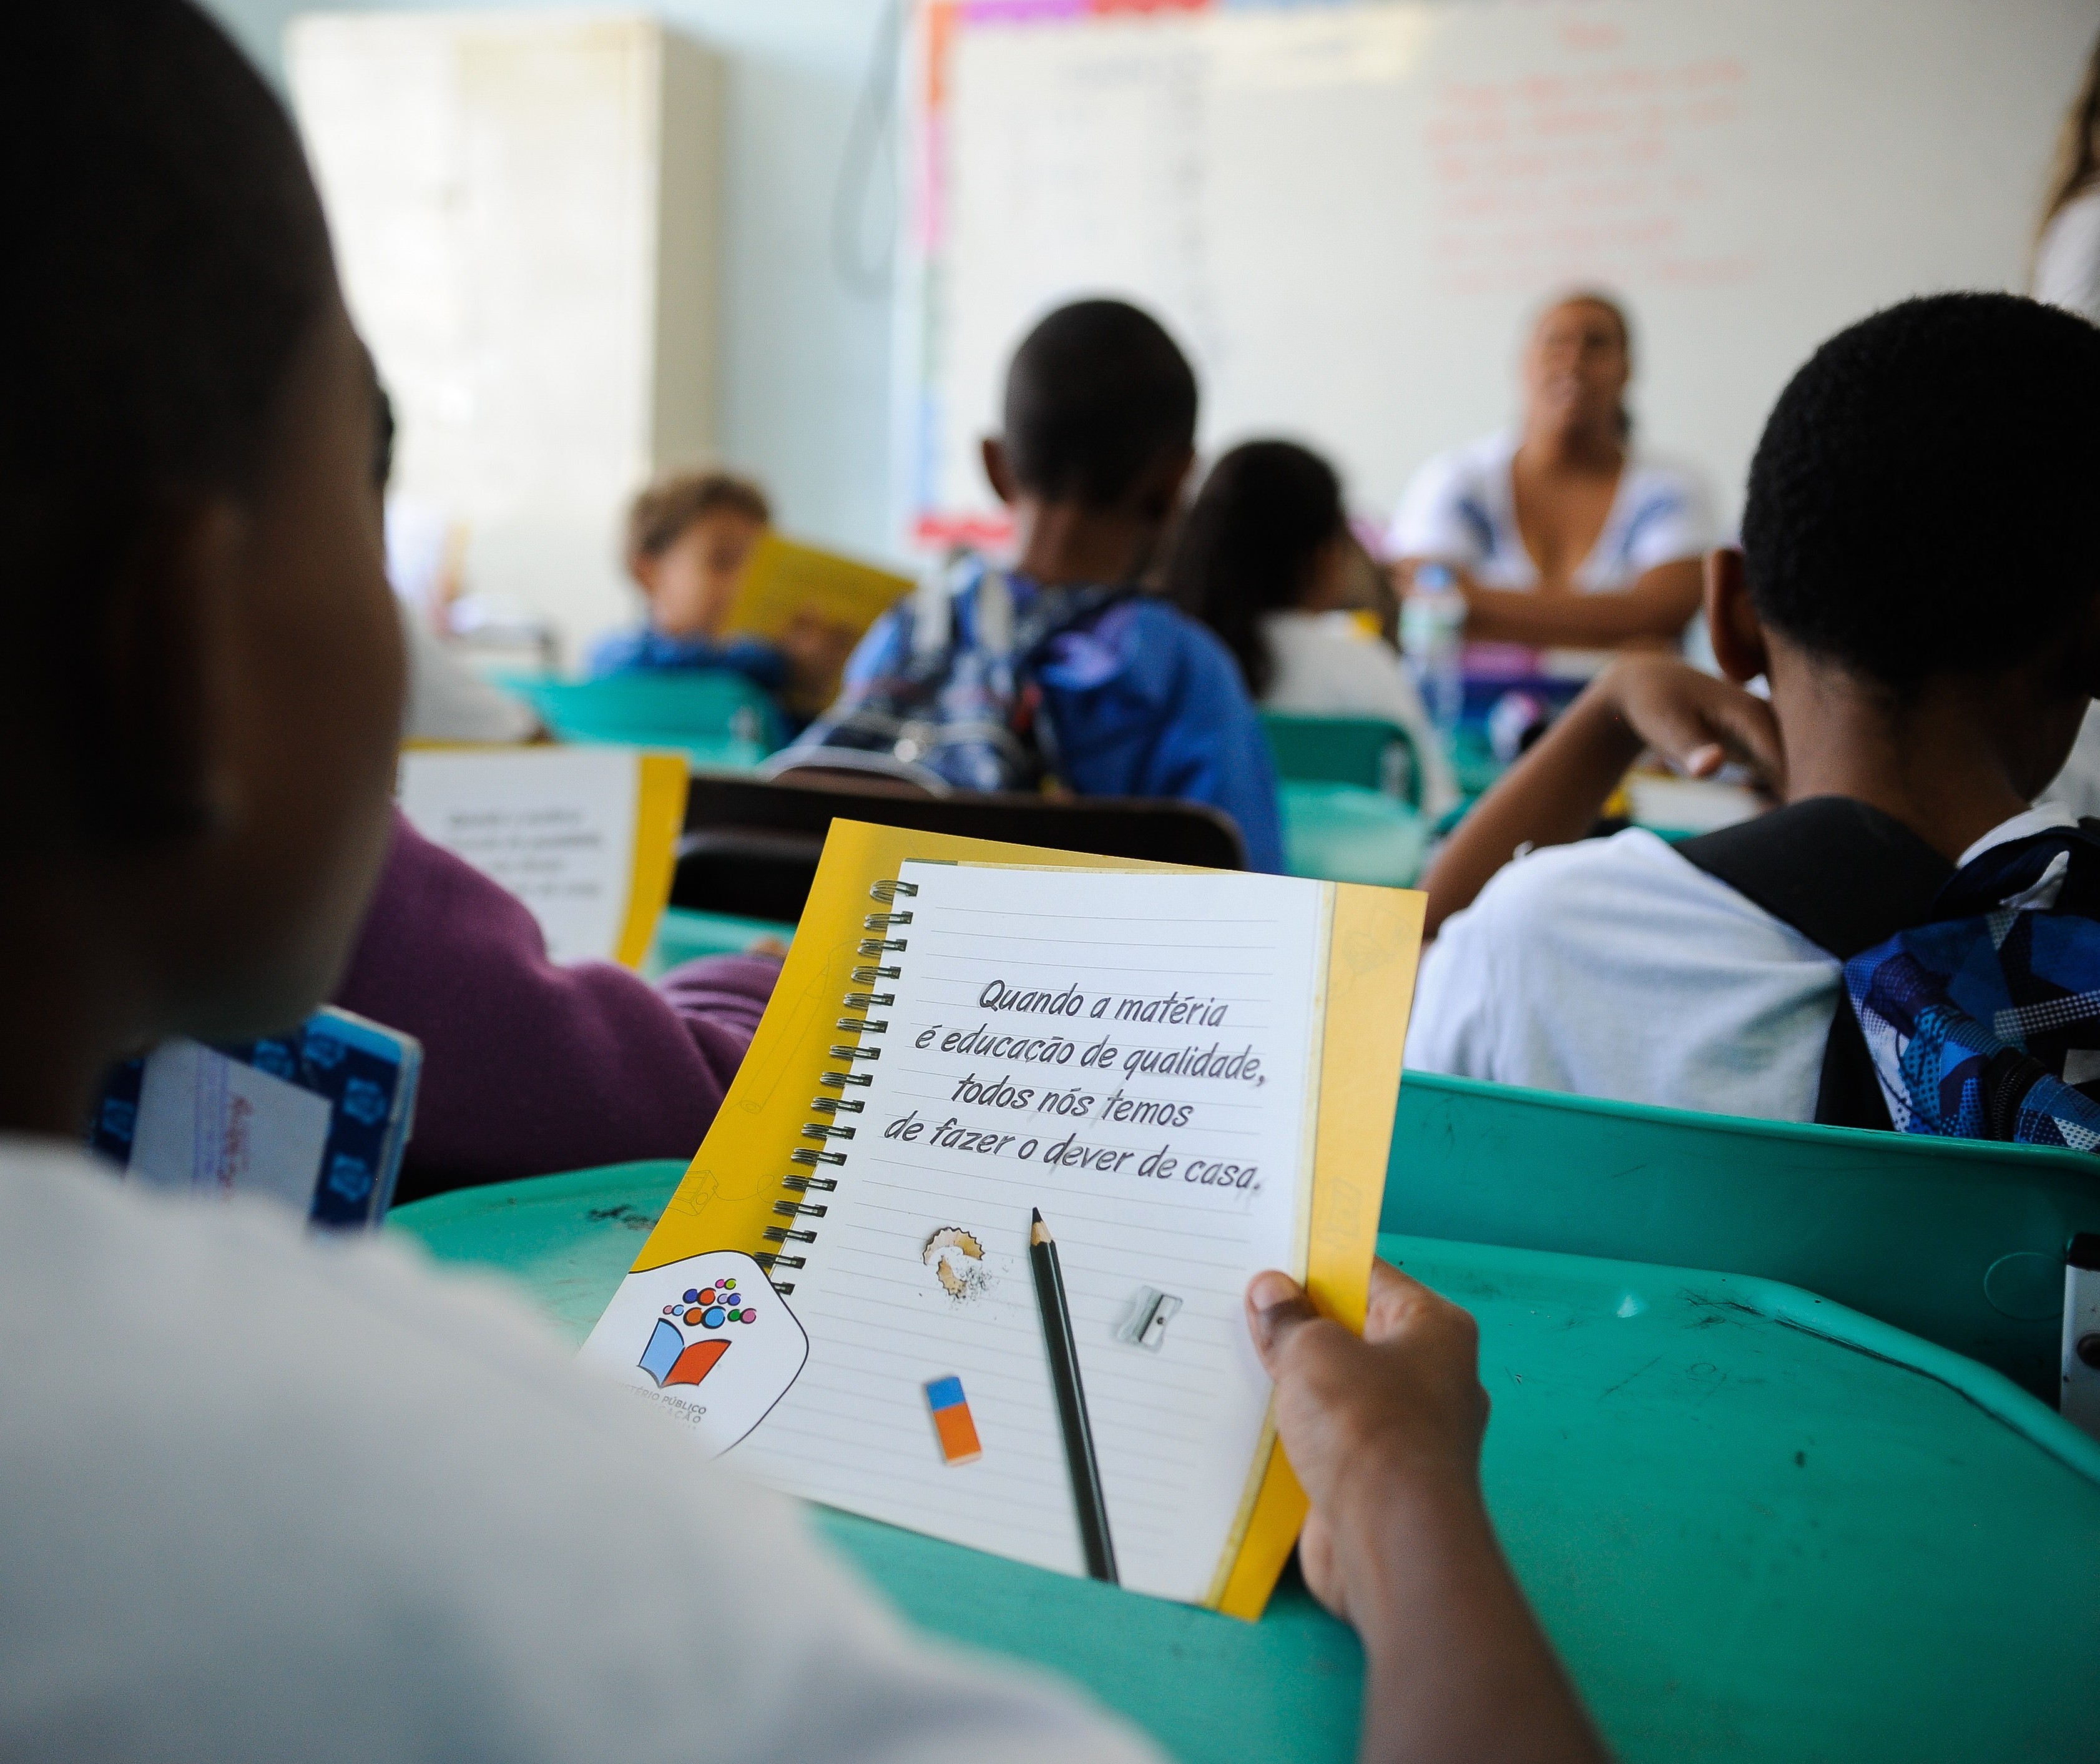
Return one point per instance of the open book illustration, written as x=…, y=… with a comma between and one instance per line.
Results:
x=1018, y=1129
x=584, y=836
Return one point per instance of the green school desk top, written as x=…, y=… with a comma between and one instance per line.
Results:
x=1757, y=1525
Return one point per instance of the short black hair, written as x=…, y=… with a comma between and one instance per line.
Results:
x=1097, y=394
x=1249, y=542
x=1921, y=500
x=168, y=256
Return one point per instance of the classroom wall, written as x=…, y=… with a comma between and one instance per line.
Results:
x=804, y=387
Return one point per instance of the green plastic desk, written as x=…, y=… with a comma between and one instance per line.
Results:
x=1758, y=1526
x=1960, y=1241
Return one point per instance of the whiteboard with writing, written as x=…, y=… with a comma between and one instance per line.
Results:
x=1347, y=213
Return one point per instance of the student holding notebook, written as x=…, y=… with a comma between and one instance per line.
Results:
x=268, y=1499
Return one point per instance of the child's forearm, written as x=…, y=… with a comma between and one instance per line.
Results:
x=1456, y=1666
x=1550, y=796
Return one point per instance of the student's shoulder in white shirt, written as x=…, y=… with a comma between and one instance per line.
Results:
x=1616, y=968
x=1327, y=665
x=272, y=1498
x=2067, y=261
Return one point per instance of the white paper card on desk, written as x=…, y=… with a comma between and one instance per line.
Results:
x=555, y=826
x=215, y=1123
x=1136, y=1055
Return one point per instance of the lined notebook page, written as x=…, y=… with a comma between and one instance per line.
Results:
x=1132, y=1055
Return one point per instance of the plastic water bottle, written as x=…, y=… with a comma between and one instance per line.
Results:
x=1433, y=631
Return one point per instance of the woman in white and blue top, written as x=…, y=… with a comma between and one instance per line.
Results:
x=1562, y=534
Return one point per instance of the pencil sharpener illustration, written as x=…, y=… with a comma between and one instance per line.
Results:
x=1145, y=1327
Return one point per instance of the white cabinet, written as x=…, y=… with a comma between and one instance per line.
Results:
x=524, y=208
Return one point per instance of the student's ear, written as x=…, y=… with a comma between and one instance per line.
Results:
x=998, y=471
x=1731, y=621
x=164, y=673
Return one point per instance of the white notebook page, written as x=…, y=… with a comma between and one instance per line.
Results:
x=1176, y=1431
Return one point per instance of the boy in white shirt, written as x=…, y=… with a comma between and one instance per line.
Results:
x=1930, y=659
x=263, y=1497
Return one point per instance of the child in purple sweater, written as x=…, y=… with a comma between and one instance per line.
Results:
x=530, y=1066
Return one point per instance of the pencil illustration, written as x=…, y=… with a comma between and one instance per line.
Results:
x=1093, y=1513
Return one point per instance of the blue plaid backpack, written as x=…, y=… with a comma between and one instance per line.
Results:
x=947, y=696
x=1972, y=997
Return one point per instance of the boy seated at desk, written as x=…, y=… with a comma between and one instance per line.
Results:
x=1919, y=583
x=266, y=1498
x=1061, y=670
x=690, y=536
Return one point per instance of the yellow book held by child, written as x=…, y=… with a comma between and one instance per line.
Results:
x=1168, y=1079
x=786, y=583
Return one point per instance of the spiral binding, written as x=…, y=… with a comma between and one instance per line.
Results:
x=809, y=1178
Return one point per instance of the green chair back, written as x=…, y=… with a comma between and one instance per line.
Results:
x=1346, y=832
x=1960, y=1242
x=1367, y=752
x=685, y=936
x=719, y=717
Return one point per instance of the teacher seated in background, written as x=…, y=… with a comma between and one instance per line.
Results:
x=1562, y=534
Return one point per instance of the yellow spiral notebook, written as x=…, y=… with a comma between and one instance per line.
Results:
x=1189, y=1075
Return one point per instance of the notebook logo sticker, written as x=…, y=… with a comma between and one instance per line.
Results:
x=707, y=1338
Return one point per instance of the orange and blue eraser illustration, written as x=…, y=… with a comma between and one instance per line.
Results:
x=952, y=1422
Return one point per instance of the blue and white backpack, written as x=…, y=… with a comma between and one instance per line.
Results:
x=952, y=701
x=1972, y=996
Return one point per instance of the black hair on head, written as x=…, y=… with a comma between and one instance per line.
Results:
x=1921, y=500
x=167, y=256
x=1249, y=543
x=1097, y=394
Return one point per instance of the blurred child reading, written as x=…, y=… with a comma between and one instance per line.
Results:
x=690, y=538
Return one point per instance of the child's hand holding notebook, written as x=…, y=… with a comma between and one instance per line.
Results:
x=1189, y=1075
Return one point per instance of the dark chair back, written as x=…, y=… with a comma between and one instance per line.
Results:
x=751, y=845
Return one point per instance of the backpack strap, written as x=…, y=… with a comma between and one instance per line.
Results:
x=1847, y=877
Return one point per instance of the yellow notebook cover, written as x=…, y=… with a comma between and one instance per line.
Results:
x=786, y=583
x=1363, y=942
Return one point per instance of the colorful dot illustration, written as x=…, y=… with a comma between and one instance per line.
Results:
x=710, y=1308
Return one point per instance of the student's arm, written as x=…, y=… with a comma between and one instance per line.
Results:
x=531, y=1066
x=1553, y=794
x=1384, y=1434
x=1656, y=609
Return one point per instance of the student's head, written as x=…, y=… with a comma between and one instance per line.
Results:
x=689, y=536
x=205, y=675
x=1267, y=533
x=1576, y=362
x=1920, y=517
x=1100, y=416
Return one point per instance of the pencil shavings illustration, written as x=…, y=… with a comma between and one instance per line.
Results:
x=709, y=1338
x=957, y=1260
